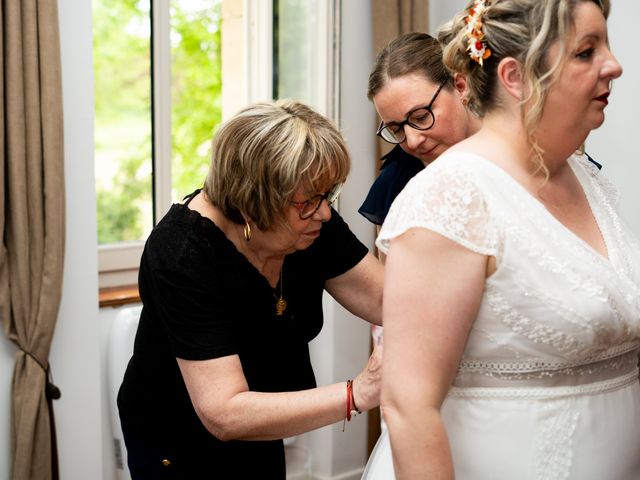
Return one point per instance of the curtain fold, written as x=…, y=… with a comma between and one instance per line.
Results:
x=32, y=218
x=393, y=17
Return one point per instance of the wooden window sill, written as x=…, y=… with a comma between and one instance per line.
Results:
x=118, y=296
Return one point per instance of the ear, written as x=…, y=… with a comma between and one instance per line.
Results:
x=510, y=75
x=462, y=87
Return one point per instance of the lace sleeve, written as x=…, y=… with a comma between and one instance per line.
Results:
x=445, y=199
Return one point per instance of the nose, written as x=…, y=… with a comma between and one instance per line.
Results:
x=612, y=68
x=413, y=138
x=324, y=211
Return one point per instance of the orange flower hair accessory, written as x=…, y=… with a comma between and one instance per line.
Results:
x=478, y=50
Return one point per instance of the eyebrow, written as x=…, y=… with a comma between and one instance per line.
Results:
x=590, y=36
x=413, y=109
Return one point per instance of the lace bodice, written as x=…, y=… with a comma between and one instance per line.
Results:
x=555, y=312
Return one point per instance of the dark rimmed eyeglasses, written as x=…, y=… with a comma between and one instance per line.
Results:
x=420, y=118
x=307, y=208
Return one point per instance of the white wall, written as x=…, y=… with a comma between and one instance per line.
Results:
x=440, y=12
x=75, y=351
x=615, y=144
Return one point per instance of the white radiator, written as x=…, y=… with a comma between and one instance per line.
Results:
x=120, y=349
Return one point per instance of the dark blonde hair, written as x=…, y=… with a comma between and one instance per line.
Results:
x=410, y=53
x=524, y=30
x=265, y=153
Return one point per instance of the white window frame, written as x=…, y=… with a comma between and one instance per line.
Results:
x=118, y=263
x=259, y=54
x=258, y=58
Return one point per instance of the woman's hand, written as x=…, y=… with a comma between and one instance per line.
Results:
x=366, y=386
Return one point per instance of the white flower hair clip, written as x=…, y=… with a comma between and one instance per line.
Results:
x=477, y=44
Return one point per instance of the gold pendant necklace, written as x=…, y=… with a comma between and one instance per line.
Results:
x=281, y=303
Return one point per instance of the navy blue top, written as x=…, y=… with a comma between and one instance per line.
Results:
x=397, y=169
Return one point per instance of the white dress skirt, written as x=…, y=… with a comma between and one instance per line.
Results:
x=547, y=388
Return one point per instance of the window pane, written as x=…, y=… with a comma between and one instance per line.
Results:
x=296, y=73
x=196, y=83
x=122, y=119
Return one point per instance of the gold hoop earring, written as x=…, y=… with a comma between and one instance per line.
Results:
x=465, y=101
x=247, y=231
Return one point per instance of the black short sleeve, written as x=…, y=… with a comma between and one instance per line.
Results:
x=336, y=250
x=185, y=276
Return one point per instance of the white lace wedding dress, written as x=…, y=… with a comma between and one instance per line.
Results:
x=547, y=387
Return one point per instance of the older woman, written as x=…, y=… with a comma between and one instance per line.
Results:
x=231, y=283
x=522, y=359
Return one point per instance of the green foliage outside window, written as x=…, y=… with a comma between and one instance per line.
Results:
x=196, y=92
x=122, y=76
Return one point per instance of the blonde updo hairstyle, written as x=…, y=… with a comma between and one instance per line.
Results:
x=268, y=151
x=524, y=30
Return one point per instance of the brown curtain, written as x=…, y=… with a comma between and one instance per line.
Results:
x=32, y=222
x=390, y=19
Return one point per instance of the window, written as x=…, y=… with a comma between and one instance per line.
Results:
x=295, y=71
x=303, y=57
x=158, y=84
x=122, y=61
x=291, y=52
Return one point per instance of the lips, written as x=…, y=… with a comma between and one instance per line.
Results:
x=603, y=98
x=313, y=233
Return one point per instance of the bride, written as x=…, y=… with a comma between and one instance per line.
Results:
x=512, y=286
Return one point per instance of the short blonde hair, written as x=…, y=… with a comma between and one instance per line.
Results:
x=524, y=30
x=268, y=151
